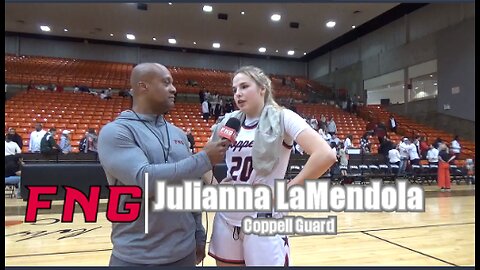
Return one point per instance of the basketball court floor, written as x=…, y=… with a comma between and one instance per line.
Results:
x=443, y=235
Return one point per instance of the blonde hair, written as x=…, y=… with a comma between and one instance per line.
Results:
x=262, y=80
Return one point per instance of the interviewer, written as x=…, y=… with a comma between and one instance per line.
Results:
x=141, y=141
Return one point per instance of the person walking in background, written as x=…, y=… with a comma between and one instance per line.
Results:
x=393, y=124
x=205, y=110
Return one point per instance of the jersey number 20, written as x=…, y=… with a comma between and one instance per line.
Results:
x=243, y=164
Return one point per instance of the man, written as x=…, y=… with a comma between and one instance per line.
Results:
x=48, y=145
x=432, y=155
x=13, y=164
x=404, y=155
x=413, y=153
x=191, y=140
x=92, y=141
x=65, y=145
x=11, y=147
x=393, y=124
x=331, y=127
x=35, y=138
x=455, y=147
x=140, y=141
x=16, y=138
x=205, y=110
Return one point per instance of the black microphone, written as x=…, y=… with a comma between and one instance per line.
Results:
x=230, y=130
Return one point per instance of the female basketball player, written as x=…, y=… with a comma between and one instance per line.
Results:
x=260, y=156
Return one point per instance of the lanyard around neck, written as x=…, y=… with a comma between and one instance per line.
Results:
x=166, y=152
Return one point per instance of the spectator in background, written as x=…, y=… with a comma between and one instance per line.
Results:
x=93, y=92
x=59, y=88
x=370, y=128
x=437, y=142
x=404, y=156
x=432, y=155
x=15, y=137
x=323, y=122
x=106, y=94
x=229, y=106
x=298, y=149
x=394, y=156
x=123, y=93
x=48, y=145
x=424, y=147
x=11, y=147
x=92, y=140
x=325, y=136
x=207, y=97
x=52, y=87
x=416, y=142
x=218, y=111
x=380, y=132
x=334, y=139
x=331, y=126
x=31, y=86
x=348, y=142
x=82, y=145
x=384, y=147
x=349, y=105
x=35, y=138
x=354, y=107
x=343, y=157
x=65, y=145
x=191, y=140
x=205, y=110
x=214, y=100
x=393, y=124
x=84, y=89
x=201, y=96
x=413, y=153
x=365, y=143
x=455, y=147
x=314, y=123
x=191, y=82
x=443, y=175
x=394, y=159
x=13, y=171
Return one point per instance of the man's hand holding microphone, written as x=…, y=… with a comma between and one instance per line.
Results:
x=216, y=150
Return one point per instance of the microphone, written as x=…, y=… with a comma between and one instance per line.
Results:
x=230, y=130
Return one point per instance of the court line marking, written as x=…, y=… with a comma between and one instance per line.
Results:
x=411, y=249
x=57, y=253
x=397, y=228
x=208, y=242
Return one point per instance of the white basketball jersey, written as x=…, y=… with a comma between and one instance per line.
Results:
x=239, y=159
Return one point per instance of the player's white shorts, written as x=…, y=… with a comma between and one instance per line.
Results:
x=230, y=245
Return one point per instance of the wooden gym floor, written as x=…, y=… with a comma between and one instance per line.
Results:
x=443, y=235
